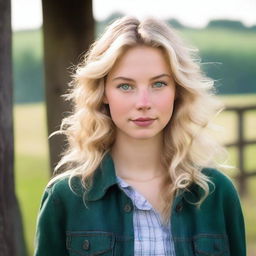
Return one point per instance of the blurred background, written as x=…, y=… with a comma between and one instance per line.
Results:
x=225, y=34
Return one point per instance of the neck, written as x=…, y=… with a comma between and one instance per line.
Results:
x=138, y=159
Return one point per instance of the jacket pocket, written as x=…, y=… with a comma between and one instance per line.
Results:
x=90, y=243
x=211, y=245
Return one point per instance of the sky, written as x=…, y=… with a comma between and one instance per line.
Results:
x=27, y=14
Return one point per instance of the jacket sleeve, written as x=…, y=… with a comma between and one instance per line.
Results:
x=234, y=220
x=50, y=230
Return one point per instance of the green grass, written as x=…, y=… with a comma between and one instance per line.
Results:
x=31, y=163
x=235, y=42
x=232, y=41
x=32, y=169
x=31, y=177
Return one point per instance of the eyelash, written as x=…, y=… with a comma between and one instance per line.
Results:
x=162, y=82
x=120, y=86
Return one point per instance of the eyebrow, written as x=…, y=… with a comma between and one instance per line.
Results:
x=132, y=80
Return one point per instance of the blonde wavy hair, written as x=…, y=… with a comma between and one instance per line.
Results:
x=91, y=133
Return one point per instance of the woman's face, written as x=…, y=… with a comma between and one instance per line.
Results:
x=140, y=92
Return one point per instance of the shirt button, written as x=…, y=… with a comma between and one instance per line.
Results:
x=86, y=244
x=179, y=207
x=127, y=207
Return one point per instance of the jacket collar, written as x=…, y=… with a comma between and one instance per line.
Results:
x=103, y=178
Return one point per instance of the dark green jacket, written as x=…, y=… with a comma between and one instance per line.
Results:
x=104, y=226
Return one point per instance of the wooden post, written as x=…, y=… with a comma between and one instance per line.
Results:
x=240, y=141
x=240, y=144
x=11, y=232
x=68, y=28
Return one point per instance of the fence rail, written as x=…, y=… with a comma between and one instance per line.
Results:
x=241, y=143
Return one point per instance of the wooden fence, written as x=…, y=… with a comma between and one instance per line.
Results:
x=241, y=143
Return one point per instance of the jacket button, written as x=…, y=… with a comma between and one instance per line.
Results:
x=216, y=247
x=179, y=207
x=127, y=208
x=86, y=244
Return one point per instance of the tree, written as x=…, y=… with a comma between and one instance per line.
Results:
x=68, y=30
x=175, y=23
x=11, y=231
x=230, y=24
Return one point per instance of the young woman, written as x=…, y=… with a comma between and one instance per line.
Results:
x=140, y=175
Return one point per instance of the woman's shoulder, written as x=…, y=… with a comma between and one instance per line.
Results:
x=216, y=175
x=64, y=186
x=221, y=182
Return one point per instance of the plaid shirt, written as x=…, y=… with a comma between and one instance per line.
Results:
x=152, y=237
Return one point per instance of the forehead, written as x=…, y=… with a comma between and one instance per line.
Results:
x=141, y=60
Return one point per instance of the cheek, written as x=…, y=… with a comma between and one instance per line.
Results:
x=165, y=105
x=118, y=106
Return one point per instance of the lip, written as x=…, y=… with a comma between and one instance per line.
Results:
x=144, y=121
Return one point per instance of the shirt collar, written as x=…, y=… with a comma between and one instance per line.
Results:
x=138, y=200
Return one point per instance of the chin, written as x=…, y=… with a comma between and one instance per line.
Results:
x=143, y=136
x=139, y=135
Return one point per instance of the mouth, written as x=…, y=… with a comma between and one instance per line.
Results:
x=143, y=121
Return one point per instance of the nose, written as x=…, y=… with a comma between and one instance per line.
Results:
x=143, y=101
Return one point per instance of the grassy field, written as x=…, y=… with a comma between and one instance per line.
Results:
x=228, y=40
x=32, y=169
x=31, y=162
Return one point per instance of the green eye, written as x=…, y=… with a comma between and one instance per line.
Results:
x=124, y=87
x=159, y=84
